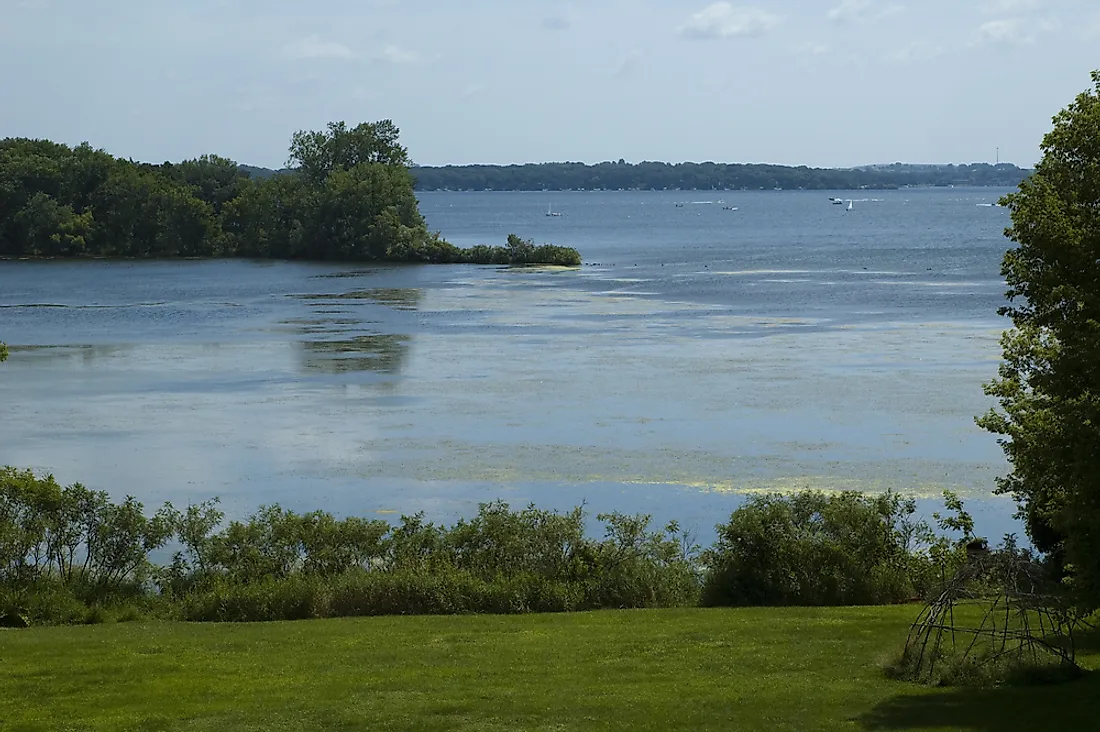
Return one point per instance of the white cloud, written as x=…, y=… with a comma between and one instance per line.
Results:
x=998, y=7
x=396, y=55
x=1014, y=30
x=723, y=20
x=1005, y=30
x=862, y=11
x=313, y=47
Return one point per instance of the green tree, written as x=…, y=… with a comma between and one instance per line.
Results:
x=316, y=154
x=52, y=229
x=212, y=179
x=1049, y=381
x=351, y=203
x=350, y=196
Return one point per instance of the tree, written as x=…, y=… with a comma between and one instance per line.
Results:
x=349, y=197
x=317, y=154
x=212, y=179
x=51, y=229
x=1049, y=381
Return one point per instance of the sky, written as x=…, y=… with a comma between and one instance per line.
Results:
x=830, y=83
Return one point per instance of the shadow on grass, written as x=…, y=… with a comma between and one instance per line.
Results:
x=1088, y=640
x=1071, y=706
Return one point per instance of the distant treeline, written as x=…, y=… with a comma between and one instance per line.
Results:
x=707, y=176
x=349, y=196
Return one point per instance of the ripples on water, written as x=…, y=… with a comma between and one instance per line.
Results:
x=701, y=353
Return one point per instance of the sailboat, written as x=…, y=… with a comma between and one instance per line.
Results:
x=851, y=205
x=551, y=212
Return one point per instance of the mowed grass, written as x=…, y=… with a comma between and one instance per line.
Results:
x=745, y=669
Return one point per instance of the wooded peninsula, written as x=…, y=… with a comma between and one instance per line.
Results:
x=348, y=195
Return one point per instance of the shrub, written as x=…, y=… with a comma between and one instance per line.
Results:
x=75, y=535
x=69, y=553
x=816, y=549
x=520, y=252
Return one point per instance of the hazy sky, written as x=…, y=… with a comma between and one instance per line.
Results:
x=816, y=82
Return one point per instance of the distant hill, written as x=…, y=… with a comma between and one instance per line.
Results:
x=697, y=176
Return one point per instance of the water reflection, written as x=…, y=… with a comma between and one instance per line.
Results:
x=60, y=355
x=346, y=274
x=383, y=353
x=333, y=338
x=398, y=298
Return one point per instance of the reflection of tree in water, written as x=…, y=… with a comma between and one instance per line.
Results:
x=86, y=354
x=381, y=353
x=330, y=346
x=398, y=298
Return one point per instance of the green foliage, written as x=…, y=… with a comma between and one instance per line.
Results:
x=282, y=566
x=317, y=155
x=349, y=197
x=3, y=353
x=1049, y=381
x=64, y=549
x=520, y=252
x=75, y=537
x=812, y=548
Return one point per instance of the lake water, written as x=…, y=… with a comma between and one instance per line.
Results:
x=701, y=353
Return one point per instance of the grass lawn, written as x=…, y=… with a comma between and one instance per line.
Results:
x=754, y=669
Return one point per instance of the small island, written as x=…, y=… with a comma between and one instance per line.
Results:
x=348, y=196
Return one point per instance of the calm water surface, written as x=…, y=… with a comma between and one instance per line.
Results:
x=700, y=353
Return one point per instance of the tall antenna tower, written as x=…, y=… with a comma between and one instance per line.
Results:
x=998, y=156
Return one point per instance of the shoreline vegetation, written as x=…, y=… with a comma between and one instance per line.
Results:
x=72, y=555
x=348, y=197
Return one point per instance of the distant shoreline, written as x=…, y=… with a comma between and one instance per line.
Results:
x=653, y=176
x=706, y=190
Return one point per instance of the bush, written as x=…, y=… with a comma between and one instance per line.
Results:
x=69, y=553
x=501, y=561
x=520, y=252
x=74, y=535
x=816, y=549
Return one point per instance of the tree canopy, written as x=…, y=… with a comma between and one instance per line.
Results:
x=348, y=196
x=1049, y=382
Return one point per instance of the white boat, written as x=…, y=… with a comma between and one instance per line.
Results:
x=837, y=201
x=851, y=205
x=551, y=212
